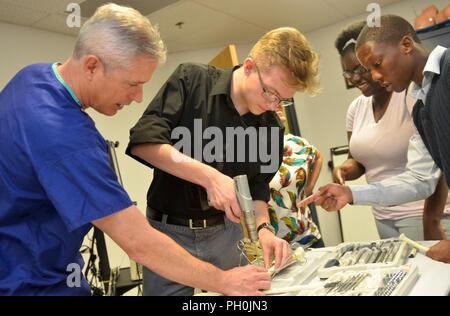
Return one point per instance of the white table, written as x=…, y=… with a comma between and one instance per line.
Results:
x=434, y=277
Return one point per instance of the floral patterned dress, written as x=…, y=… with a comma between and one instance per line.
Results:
x=287, y=186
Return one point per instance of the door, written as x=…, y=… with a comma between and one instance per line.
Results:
x=226, y=59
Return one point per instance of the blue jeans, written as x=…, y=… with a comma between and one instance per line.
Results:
x=215, y=244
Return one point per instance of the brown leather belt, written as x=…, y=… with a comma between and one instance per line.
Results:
x=188, y=222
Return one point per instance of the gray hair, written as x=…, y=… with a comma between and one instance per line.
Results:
x=116, y=34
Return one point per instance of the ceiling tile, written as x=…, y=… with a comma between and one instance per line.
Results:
x=51, y=6
x=88, y=7
x=174, y=46
x=201, y=25
x=306, y=15
x=207, y=23
x=351, y=8
x=270, y=14
x=57, y=22
x=13, y=13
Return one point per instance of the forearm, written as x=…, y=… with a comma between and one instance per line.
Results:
x=168, y=159
x=156, y=251
x=394, y=191
x=433, y=211
x=261, y=212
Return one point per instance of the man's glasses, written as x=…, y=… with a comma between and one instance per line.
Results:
x=359, y=71
x=273, y=99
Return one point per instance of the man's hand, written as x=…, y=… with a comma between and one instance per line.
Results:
x=248, y=280
x=220, y=188
x=440, y=251
x=333, y=197
x=222, y=195
x=274, y=246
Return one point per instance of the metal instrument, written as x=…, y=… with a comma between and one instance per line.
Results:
x=246, y=203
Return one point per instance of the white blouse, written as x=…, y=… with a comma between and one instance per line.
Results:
x=381, y=147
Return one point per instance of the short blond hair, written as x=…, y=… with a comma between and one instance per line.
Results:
x=117, y=34
x=288, y=47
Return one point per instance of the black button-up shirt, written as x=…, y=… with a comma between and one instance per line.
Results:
x=197, y=95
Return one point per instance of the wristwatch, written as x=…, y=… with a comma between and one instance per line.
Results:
x=267, y=226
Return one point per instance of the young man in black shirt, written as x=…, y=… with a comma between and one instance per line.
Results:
x=207, y=125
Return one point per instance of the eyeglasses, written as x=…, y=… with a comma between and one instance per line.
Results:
x=359, y=71
x=273, y=99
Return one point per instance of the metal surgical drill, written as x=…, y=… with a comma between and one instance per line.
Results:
x=249, y=245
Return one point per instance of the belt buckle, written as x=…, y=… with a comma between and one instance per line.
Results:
x=191, y=224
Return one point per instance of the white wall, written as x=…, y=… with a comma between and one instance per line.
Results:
x=321, y=118
x=21, y=46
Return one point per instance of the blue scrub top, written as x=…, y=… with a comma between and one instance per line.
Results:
x=55, y=178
